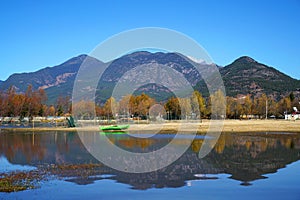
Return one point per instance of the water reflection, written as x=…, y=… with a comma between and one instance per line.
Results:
x=6, y=166
x=246, y=157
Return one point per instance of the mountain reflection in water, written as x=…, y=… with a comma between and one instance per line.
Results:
x=246, y=157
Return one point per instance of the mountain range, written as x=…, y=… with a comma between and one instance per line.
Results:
x=243, y=76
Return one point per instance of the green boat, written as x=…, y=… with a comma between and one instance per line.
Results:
x=117, y=132
x=114, y=127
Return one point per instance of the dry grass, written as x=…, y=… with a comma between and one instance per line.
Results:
x=261, y=126
x=228, y=126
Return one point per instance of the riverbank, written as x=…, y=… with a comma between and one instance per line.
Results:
x=184, y=126
x=237, y=126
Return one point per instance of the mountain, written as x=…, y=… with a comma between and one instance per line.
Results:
x=173, y=60
x=243, y=76
x=57, y=80
x=151, y=70
x=247, y=76
x=46, y=77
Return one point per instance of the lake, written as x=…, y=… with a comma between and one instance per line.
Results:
x=240, y=166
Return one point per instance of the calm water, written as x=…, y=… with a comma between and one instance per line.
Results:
x=241, y=166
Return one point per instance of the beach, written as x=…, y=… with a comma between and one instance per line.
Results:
x=238, y=126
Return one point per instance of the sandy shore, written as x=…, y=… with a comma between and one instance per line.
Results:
x=183, y=126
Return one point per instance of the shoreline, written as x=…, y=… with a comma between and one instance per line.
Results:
x=238, y=126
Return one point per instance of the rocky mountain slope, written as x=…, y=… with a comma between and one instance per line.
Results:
x=243, y=76
x=247, y=76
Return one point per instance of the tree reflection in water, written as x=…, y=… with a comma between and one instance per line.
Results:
x=246, y=157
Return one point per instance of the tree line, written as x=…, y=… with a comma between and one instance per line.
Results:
x=33, y=103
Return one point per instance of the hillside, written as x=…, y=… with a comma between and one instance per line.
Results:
x=46, y=77
x=145, y=67
x=57, y=80
x=243, y=76
x=247, y=76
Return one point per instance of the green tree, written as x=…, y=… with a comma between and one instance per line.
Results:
x=292, y=96
x=60, y=111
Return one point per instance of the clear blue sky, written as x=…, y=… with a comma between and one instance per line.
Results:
x=37, y=34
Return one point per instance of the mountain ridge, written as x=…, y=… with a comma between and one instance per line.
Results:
x=43, y=76
x=243, y=76
x=247, y=76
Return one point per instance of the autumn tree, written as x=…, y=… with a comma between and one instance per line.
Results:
x=272, y=107
x=233, y=108
x=51, y=111
x=124, y=105
x=140, y=105
x=261, y=106
x=186, y=107
x=284, y=105
x=156, y=112
x=10, y=101
x=84, y=109
x=28, y=107
x=38, y=99
x=99, y=111
x=198, y=104
x=1, y=103
x=247, y=106
x=63, y=105
x=32, y=103
x=17, y=102
x=295, y=102
x=144, y=104
x=110, y=107
x=173, y=108
x=218, y=105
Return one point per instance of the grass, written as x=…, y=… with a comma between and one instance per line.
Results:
x=19, y=181
x=186, y=126
x=25, y=180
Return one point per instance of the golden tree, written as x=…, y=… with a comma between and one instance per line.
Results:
x=173, y=108
x=110, y=107
x=218, y=105
x=198, y=104
x=186, y=107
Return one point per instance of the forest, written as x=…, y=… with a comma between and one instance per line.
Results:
x=33, y=103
